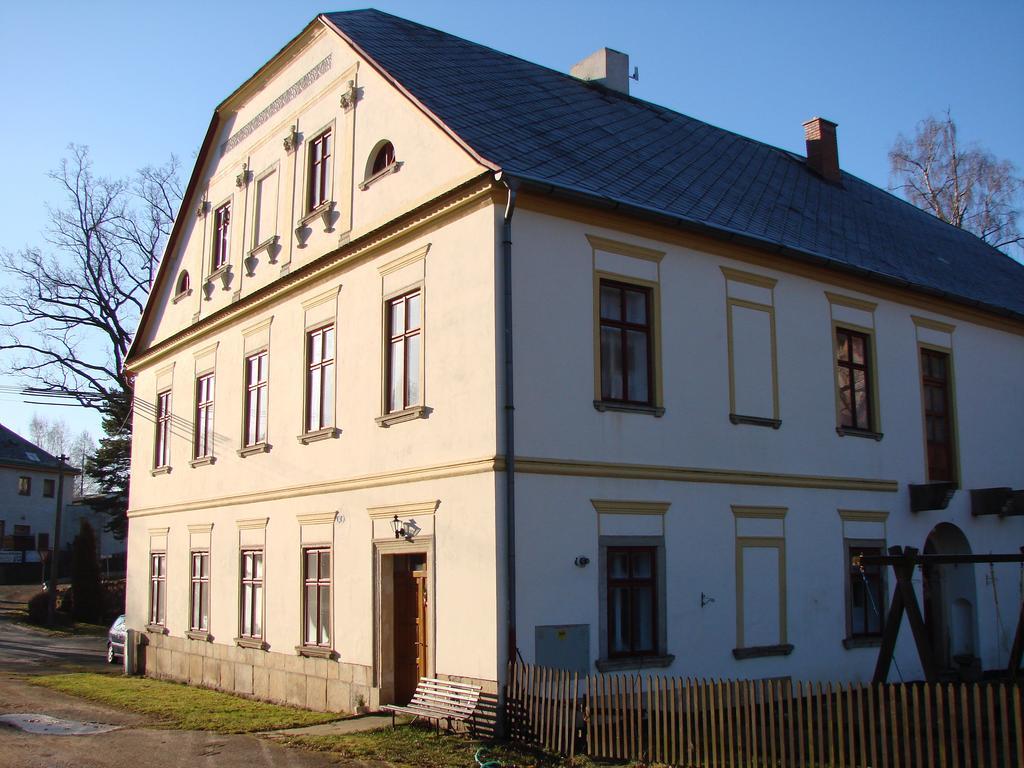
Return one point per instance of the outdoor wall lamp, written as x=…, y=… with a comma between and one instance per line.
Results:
x=406, y=529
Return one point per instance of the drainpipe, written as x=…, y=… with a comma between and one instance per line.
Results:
x=509, y=412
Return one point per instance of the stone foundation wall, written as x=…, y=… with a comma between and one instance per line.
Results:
x=320, y=684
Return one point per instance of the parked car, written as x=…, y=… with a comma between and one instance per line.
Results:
x=115, y=640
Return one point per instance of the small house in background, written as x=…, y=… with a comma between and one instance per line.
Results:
x=453, y=358
x=29, y=486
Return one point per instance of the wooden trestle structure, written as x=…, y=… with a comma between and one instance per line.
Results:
x=904, y=600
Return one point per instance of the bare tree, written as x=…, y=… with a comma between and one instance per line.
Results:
x=69, y=310
x=966, y=186
x=52, y=435
x=73, y=307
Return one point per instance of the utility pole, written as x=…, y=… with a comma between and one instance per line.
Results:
x=51, y=607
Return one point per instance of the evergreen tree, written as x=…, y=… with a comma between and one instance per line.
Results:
x=110, y=464
x=85, y=576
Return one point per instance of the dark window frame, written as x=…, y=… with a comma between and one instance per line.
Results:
x=845, y=362
x=875, y=576
x=199, y=591
x=49, y=488
x=221, y=236
x=319, y=187
x=24, y=485
x=158, y=588
x=255, y=428
x=251, y=594
x=319, y=387
x=162, y=438
x=317, y=583
x=202, y=446
x=625, y=327
x=392, y=340
x=383, y=158
x=632, y=583
x=945, y=416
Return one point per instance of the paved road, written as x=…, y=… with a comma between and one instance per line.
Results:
x=24, y=649
x=27, y=651
x=133, y=745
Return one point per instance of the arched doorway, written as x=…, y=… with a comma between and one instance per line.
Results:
x=950, y=600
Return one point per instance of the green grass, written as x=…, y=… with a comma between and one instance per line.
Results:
x=184, y=707
x=415, y=746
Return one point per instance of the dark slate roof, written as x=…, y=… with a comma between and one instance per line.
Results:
x=16, y=450
x=549, y=128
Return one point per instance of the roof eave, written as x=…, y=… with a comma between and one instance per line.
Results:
x=725, y=234
x=487, y=163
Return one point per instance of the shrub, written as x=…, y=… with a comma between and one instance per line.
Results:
x=87, y=604
x=37, y=608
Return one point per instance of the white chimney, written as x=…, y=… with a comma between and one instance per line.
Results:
x=605, y=67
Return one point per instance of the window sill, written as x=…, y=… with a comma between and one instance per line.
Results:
x=252, y=450
x=849, y=643
x=156, y=629
x=322, y=211
x=181, y=296
x=851, y=432
x=635, y=662
x=255, y=643
x=327, y=433
x=263, y=245
x=755, y=421
x=201, y=635
x=759, y=651
x=218, y=272
x=315, y=652
x=397, y=417
x=203, y=461
x=393, y=168
x=160, y=471
x=610, y=405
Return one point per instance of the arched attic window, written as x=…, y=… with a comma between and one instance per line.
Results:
x=380, y=163
x=385, y=156
x=184, y=285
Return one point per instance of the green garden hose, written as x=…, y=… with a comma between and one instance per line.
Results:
x=489, y=763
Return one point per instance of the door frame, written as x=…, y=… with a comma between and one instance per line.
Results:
x=383, y=637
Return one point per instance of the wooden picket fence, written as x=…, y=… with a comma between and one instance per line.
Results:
x=760, y=723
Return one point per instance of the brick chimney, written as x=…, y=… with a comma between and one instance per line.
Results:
x=822, y=148
x=605, y=66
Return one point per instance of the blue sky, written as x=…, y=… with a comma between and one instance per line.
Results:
x=138, y=81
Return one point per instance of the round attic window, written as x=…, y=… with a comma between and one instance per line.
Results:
x=382, y=158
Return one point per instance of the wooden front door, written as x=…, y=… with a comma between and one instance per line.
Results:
x=410, y=623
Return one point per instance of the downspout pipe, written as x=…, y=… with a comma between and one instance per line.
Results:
x=511, y=186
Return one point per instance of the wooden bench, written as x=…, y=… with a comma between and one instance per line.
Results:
x=439, y=700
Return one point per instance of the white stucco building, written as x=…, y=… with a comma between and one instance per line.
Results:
x=30, y=484
x=418, y=281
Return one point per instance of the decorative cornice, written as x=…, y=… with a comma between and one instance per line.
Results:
x=863, y=516
x=762, y=513
x=848, y=301
x=252, y=523
x=350, y=96
x=475, y=191
x=738, y=276
x=625, y=249
x=395, y=477
x=316, y=518
x=612, y=507
x=158, y=531
x=403, y=261
x=276, y=105
x=571, y=468
x=200, y=528
x=418, y=508
x=933, y=325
